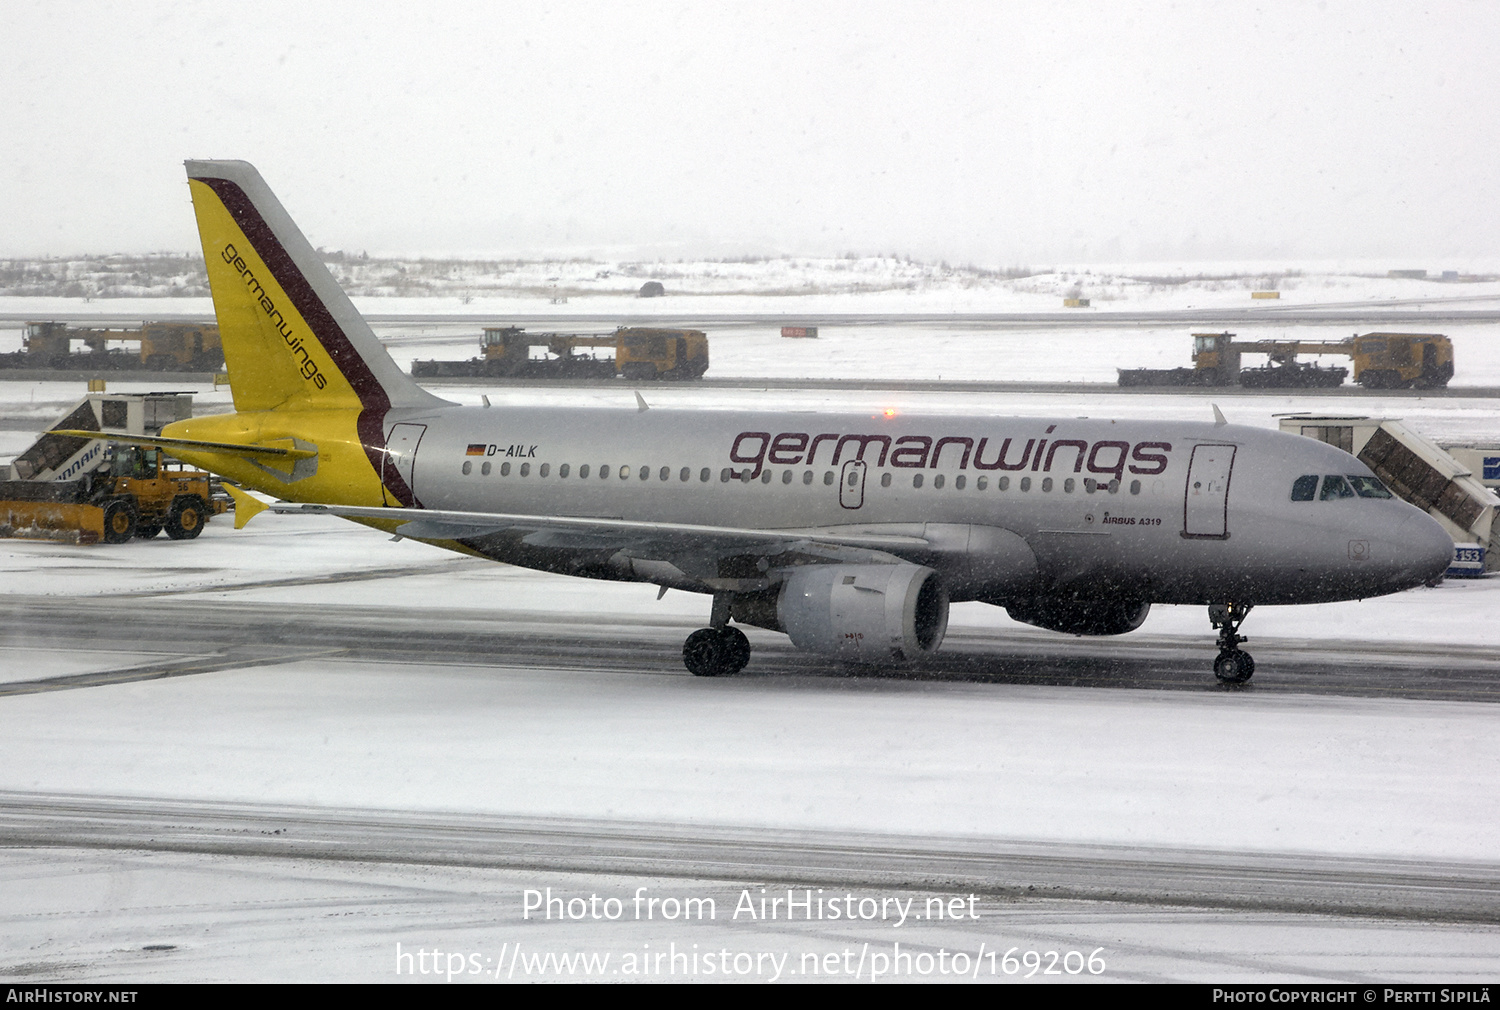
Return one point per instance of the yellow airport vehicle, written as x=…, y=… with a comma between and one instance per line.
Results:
x=138, y=493
x=636, y=352
x=74, y=484
x=1381, y=361
x=176, y=347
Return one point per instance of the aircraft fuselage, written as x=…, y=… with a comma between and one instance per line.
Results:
x=1156, y=511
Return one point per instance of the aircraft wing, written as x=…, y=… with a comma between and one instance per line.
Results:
x=682, y=555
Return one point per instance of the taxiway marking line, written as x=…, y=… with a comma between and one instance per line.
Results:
x=155, y=671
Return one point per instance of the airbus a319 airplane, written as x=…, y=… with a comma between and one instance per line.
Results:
x=851, y=533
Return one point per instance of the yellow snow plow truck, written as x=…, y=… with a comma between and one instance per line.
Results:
x=68, y=486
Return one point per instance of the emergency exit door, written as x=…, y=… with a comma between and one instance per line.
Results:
x=852, y=484
x=1206, y=508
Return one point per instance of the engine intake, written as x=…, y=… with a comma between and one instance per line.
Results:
x=1081, y=617
x=876, y=613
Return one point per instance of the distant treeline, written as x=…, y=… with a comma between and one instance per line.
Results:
x=158, y=275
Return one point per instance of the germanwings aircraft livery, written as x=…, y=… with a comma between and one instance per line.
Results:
x=851, y=534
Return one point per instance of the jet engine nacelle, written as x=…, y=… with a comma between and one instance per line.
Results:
x=1081, y=617
x=876, y=613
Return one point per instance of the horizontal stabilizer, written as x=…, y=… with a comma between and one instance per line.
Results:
x=225, y=448
x=246, y=506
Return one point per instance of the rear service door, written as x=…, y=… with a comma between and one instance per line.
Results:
x=852, y=484
x=1206, y=509
x=401, y=452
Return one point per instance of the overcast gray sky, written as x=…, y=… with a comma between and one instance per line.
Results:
x=998, y=133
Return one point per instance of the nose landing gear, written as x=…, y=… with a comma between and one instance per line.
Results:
x=1233, y=666
x=719, y=650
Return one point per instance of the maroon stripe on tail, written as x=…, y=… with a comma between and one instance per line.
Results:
x=374, y=403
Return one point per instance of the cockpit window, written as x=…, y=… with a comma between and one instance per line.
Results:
x=1369, y=487
x=1335, y=486
x=1305, y=488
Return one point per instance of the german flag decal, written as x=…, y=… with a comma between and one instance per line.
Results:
x=475, y=449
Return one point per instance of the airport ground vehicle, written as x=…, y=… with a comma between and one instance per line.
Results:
x=187, y=347
x=72, y=485
x=635, y=353
x=139, y=493
x=1381, y=361
x=849, y=532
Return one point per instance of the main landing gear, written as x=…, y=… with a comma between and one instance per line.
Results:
x=718, y=650
x=1233, y=666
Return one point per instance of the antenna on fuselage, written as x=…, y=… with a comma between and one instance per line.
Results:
x=1219, y=418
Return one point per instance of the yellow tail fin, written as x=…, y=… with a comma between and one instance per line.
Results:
x=313, y=389
x=291, y=336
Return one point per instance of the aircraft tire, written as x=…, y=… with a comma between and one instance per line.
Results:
x=716, y=652
x=703, y=653
x=1234, y=667
x=736, y=649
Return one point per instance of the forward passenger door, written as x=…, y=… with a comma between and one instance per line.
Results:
x=1205, y=511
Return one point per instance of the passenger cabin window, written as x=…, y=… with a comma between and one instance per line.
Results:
x=1305, y=488
x=1335, y=487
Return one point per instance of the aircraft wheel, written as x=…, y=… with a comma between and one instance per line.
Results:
x=186, y=517
x=1234, y=667
x=716, y=652
x=119, y=522
x=703, y=652
x=736, y=649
